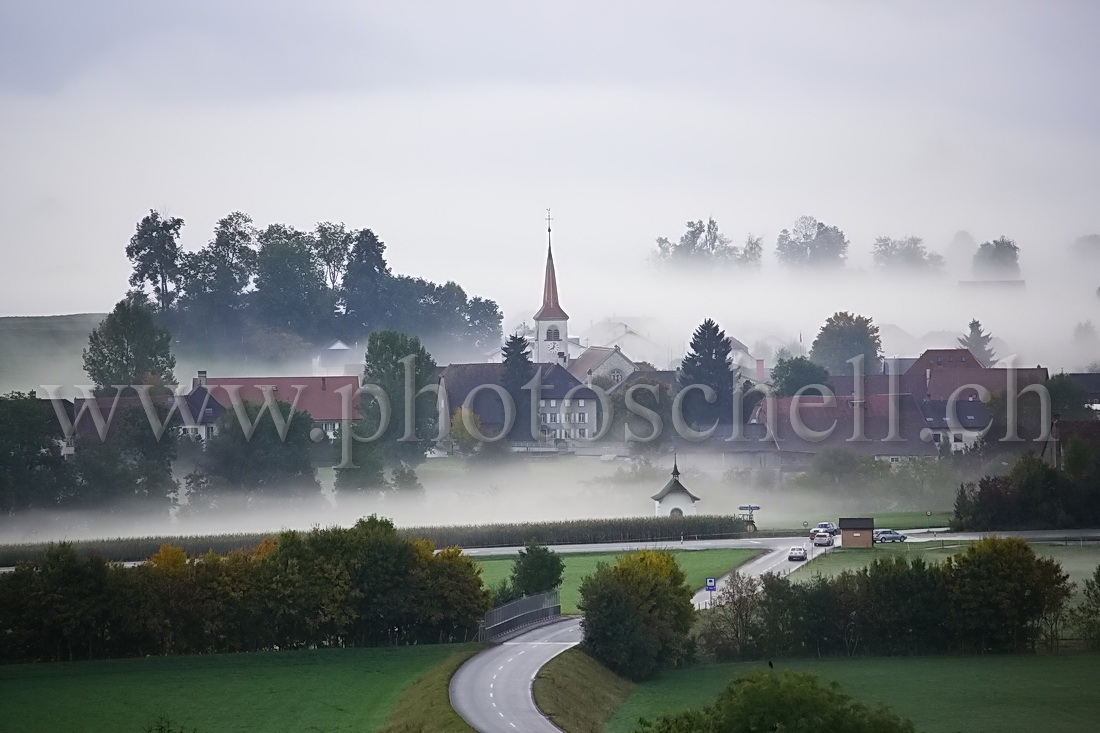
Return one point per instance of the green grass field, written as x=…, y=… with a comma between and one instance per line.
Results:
x=1078, y=560
x=698, y=565
x=293, y=691
x=911, y=520
x=992, y=694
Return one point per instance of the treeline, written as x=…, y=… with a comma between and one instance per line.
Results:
x=271, y=291
x=516, y=534
x=1034, y=494
x=810, y=243
x=996, y=596
x=363, y=586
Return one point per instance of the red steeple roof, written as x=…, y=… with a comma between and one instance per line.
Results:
x=550, y=308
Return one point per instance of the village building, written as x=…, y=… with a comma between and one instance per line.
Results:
x=674, y=500
x=857, y=531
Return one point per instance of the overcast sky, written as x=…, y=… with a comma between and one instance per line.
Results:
x=448, y=128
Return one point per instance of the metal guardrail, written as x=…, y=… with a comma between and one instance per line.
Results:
x=511, y=616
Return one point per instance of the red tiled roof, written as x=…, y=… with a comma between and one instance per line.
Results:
x=319, y=396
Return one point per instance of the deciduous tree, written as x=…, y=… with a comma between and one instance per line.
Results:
x=843, y=337
x=129, y=348
x=811, y=243
x=792, y=374
x=154, y=250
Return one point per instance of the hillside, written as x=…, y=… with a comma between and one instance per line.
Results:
x=37, y=350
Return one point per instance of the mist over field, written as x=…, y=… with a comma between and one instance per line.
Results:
x=450, y=130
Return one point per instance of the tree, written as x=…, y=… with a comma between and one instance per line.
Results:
x=290, y=285
x=765, y=701
x=998, y=590
x=752, y=253
x=385, y=367
x=215, y=278
x=729, y=630
x=365, y=471
x=978, y=344
x=331, y=244
x=132, y=465
x=708, y=362
x=154, y=250
x=905, y=254
x=792, y=374
x=264, y=462
x=32, y=471
x=1085, y=336
x=128, y=348
x=1068, y=399
x=638, y=614
x=811, y=243
x=537, y=569
x=517, y=371
x=365, y=284
x=999, y=258
x=465, y=440
x=1085, y=618
x=700, y=243
x=843, y=337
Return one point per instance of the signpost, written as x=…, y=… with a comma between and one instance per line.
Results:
x=712, y=585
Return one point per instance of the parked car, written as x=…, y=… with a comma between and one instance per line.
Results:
x=888, y=535
x=823, y=539
x=829, y=527
x=797, y=553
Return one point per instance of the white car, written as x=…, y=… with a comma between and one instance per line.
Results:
x=797, y=553
x=823, y=539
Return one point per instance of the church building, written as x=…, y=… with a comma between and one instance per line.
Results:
x=551, y=342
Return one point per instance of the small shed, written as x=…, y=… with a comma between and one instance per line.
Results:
x=857, y=531
x=674, y=500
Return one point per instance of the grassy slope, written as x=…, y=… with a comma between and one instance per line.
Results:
x=578, y=693
x=994, y=694
x=425, y=707
x=37, y=350
x=1079, y=561
x=698, y=565
x=293, y=691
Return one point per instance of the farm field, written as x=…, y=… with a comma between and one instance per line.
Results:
x=698, y=565
x=293, y=691
x=992, y=694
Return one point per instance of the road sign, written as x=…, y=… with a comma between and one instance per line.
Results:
x=712, y=584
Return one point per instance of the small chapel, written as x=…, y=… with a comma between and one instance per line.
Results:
x=674, y=500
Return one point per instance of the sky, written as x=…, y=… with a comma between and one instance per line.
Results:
x=449, y=128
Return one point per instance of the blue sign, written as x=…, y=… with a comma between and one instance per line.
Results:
x=712, y=583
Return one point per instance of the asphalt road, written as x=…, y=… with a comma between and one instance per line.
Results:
x=492, y=691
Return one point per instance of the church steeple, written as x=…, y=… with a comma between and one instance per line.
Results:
x=550, y=307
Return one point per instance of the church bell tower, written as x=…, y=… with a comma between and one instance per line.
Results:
x=551, y=322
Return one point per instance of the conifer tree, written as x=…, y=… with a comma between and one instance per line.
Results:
x=978, y=344
x=518, y=371
x=708, y=363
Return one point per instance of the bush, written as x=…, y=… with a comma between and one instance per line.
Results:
x=766, y=701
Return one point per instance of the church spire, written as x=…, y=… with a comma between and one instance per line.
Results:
x=550, y=307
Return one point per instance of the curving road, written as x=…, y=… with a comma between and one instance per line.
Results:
x=492, y=691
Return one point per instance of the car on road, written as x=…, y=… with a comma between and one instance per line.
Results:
x=829, y=527
x=888, y=535
x=823, y=539
x=797, y=553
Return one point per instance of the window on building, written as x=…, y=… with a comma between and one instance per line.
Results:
x=616, y=375
x=542, y=403
x=939, y=360
x=894, y=459
x=580, y=403
x=553, y=334
x=583, y=432
x=553, y=403
x=958, y=438
x=582, y=417
x=936, y=437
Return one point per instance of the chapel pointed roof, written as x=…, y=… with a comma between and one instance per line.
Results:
x=674, y=485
